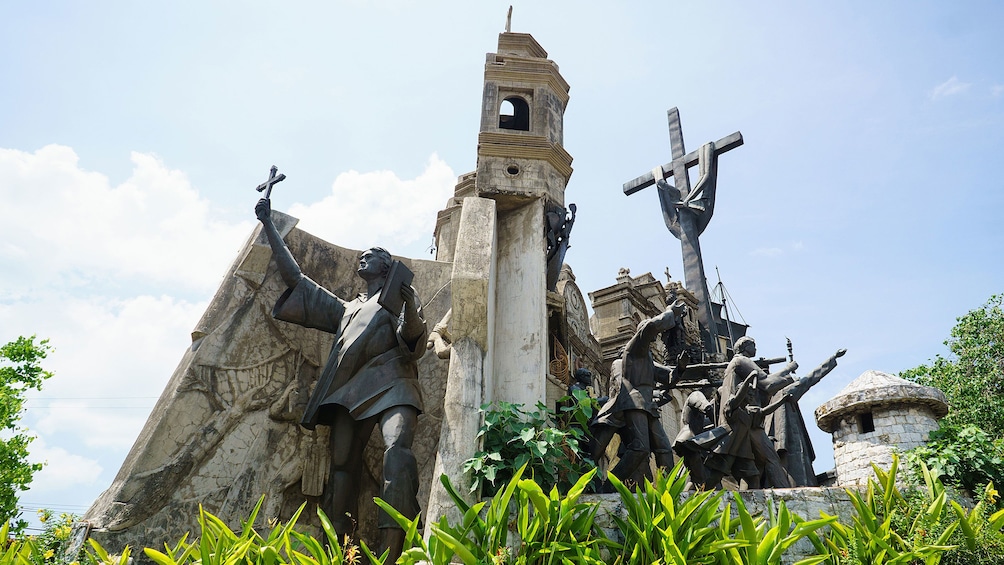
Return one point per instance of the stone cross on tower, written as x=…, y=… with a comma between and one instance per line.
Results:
x=687, y=211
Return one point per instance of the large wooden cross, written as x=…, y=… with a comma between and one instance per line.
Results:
x=687, y=223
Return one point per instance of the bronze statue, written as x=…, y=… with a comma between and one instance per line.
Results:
x=746, y=452
x=687, y=210
x=631, y=410
x=696, y=419
x=370, y=380
x=787, y=428
x=557, y=229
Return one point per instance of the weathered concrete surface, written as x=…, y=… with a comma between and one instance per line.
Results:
x=473, y=286
x=519, y=349
x=225, y=430
x=876, y=389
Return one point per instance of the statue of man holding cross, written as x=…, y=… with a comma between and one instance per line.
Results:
x=370, y=379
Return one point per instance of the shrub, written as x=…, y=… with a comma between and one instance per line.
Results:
x=548, y=445
x=890, y=527
x=550, y=528
x=52, y=543
x=961, y=456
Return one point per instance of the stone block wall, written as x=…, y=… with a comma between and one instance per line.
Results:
x=896, y=428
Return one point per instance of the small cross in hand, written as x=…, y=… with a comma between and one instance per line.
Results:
x=272, y=180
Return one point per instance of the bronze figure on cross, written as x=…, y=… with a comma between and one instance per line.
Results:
x=687, y=210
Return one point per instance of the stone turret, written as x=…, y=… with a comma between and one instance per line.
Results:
x=875, y=415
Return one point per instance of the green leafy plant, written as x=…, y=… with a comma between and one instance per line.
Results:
x=972, y=375
x=52, y=543
x=964, y=457
x=98, y=556
x=887, y=528
x=662, y=525
x=15, y=551
x=763, y=540
x=20, y=371
x=219, y=545
x=560, y=528
x=513, y=438
x=980, y=538
x=550, y=528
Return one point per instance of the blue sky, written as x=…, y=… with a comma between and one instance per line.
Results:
x=860, y=213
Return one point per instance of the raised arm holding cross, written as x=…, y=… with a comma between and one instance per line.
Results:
x=687, y=212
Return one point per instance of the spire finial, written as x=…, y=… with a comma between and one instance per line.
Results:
x=508, y=20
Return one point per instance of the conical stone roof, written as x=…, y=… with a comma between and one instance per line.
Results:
x=875, y=388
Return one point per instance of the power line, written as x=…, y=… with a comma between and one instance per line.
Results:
x=117, y=407
x=92, y=397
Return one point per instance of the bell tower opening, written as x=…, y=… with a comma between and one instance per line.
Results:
x=514, y=114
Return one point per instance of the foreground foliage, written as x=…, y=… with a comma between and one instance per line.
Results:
x=963, y=457
x=549, y=528
x=547, y=443
x=20, y=371
x=662, y=524
x=891, y=528
x=51, y=544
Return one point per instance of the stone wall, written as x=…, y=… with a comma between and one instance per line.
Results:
x=896, y=428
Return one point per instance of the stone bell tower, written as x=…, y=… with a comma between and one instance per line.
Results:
x=493, y=230
x=520, y=154
x=523, y=167
x=522, y=171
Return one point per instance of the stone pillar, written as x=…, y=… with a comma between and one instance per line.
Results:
x=473, y=289
x=520, y=330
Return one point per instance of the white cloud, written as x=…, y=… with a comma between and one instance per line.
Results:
x=997, y=89
x=62, y=471
x=777, y=251
x=108, y=422
x=950, y=87
x=378, y=208
x=65, y=226
x=111, y=362
x=80, y=257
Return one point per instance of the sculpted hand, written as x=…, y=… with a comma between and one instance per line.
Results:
x=671, y=190
x=793, y=366
x=841, y=352
x=410, y=297
x=753, y=409
x=263, y=210
x=683, y=360
x=408, y=294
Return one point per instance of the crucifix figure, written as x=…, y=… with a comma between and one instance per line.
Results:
x=687, y=210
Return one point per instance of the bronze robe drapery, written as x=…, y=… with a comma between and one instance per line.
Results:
x=370, y=367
